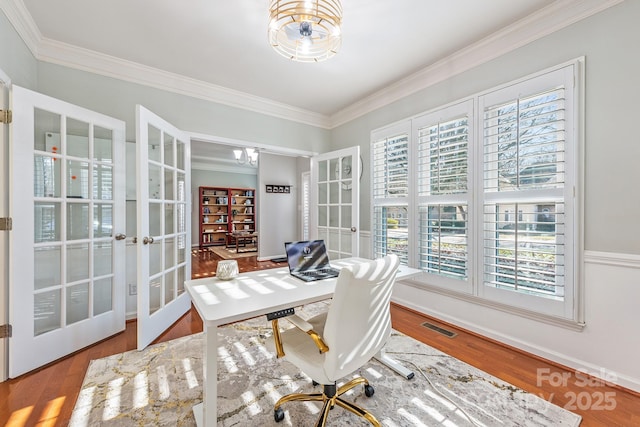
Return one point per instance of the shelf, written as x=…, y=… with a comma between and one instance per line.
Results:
x=236, y=199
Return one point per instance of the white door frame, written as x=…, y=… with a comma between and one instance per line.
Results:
x=5, y=83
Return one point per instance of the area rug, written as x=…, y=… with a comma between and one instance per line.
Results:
x=159, y=386
x=228, y=253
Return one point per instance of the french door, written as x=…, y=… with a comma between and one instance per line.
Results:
x=67, y=185
x=335, y=207
x=164, y=224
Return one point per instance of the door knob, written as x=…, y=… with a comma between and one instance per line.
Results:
x=121, y=236
x=353, y=229
x=147, y=240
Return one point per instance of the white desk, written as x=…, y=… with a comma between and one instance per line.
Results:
x=249, y=295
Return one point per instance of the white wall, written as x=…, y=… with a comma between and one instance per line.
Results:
x=277, y=212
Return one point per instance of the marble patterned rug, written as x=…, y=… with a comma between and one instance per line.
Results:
x=160, y=385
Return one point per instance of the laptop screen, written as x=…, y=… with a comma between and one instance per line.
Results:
x=306, y=255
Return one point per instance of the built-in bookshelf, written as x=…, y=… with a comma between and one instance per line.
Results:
x=225, y=210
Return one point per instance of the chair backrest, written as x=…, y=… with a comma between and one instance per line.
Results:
x=358, y=322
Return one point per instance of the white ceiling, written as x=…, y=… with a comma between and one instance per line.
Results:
x=218, y=49
x=224, y=42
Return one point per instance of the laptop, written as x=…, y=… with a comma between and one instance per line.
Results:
x=308, y=260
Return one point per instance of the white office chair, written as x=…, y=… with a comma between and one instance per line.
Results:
x=347, y=336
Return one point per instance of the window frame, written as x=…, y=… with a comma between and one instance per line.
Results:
x=569, y=310
x=563, y=76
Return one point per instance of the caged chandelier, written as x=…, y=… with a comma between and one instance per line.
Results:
x=305, y=31
x=248, y=155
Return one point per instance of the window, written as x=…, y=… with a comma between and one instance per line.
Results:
x=390, y=188
x=480, y=195
x=442, y=145
x=527, y=193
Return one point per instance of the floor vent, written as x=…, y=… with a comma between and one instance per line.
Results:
x=439, y=330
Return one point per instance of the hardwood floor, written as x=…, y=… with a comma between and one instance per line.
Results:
x=47, y=397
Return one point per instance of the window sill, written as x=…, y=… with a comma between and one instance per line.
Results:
x=528, y=314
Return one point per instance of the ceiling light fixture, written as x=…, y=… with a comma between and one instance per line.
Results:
x=305, y=31
x=248, y=155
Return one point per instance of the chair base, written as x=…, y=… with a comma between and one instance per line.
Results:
x=331, y=397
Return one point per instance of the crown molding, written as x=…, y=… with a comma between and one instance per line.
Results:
x=87, y=60
x=556, y=16
x=25, y=26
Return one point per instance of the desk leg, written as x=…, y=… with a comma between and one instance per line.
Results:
x=393, y=364
x=206, y=413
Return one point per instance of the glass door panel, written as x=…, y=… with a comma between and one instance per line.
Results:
x=49, y=258
x=77, y=303
x=77, y=138
x=103, y=296
x=102, y=258
x=46, y=176
x=77, y=221
x=102, y=144
x=77, y=262
x=46, y=222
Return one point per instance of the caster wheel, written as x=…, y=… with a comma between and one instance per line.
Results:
x=278, y=415
x=368, y=391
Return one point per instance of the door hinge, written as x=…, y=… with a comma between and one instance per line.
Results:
x=6, y=224
x=5, y=331
x=6, y=116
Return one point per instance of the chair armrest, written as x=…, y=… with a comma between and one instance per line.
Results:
x=301, y=324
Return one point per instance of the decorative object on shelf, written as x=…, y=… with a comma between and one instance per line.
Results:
x=227, y=269
x=278, y=188
x=205, y=200
x=248, y=155
x=305, y=31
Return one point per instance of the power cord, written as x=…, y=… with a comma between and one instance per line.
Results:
x=439, y=393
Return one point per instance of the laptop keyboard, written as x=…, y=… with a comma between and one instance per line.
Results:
x=316, y=273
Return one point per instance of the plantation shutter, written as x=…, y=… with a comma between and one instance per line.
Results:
x=390, y=189
x=443, y=183
x=390, y=167
x=524, y=210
